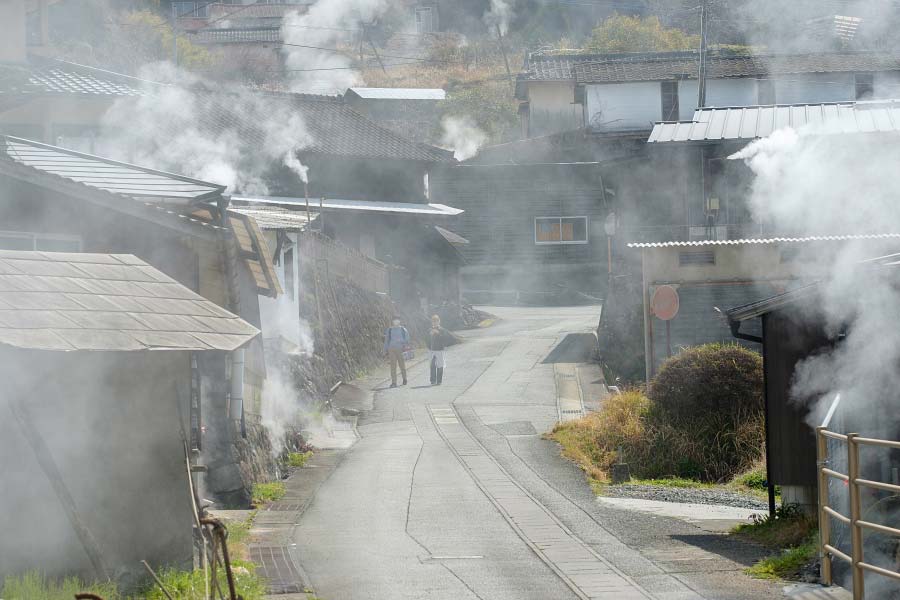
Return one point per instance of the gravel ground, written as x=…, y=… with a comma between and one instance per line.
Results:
x=685, y=494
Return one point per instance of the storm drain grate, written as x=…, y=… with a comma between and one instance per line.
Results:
x=285, y=506
x=274, y=564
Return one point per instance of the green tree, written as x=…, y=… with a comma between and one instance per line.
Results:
x=621, y=33
x=490, y=105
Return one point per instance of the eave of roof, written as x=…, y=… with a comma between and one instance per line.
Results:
x=106, y=302
x=765, y=241
x=364, y=206
x=399, y=93
x=742, y=123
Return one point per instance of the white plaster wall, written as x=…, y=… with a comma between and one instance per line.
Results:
x=623, y=106
x=887, y=85
x=719, y=92
x=815, y=87
x=552, y=107
x=280, y=316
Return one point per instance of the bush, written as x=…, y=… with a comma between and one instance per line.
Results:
x=267, y=492
x=32, y=585
x=190, y=585
x=711, y=397
x=703, y=420
x=298, y=459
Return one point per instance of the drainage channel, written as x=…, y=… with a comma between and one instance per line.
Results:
x=589, y=575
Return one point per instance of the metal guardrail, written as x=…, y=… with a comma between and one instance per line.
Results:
x=855, y=521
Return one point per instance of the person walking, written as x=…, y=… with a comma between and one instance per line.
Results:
x=438, y=340
x=396, y=342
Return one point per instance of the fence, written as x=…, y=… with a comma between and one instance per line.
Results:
x=855, y=521
x=364, y=272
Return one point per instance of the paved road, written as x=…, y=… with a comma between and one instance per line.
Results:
x=451, y=493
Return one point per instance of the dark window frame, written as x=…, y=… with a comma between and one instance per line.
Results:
x=669, y=101
x=561, y=242
x=864, y=86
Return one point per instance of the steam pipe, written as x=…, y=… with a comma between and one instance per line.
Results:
x=237, y=388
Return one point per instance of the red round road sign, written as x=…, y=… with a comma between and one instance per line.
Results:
x=664, y=302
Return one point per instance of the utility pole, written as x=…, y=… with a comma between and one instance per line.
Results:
x=701, y=76
x=174, y=35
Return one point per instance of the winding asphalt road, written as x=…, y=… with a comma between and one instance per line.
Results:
x=452, y=493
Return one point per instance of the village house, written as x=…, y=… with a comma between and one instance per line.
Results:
x=99, y=423
x=618, y=94
x=53, y=199
x=712, y=276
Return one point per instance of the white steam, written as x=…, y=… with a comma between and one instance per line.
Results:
x=194, y=129
x=500, y=15
x=463, y=136
x=810, y=182
x=313, y=59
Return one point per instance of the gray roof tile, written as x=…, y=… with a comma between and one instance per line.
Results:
x=121, y=304
x=59, y=77
x=237, y=35
x=685, y=65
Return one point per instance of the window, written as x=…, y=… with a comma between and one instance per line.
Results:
x=697, y=257
x=669, y=93
x=289, y=272
x=192, y=10
x=424, y=20
x=20, y=240
x=560, y=230
x=865, y=86
x=765, y=91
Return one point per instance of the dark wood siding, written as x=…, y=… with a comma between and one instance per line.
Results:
x=502, y=201
x=791, y=440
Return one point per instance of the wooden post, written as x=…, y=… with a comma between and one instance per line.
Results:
x=824, y=519
x=856, y=536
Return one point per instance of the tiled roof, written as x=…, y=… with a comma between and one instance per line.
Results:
x=237, y=35
x=60, y=77
x=555, y=67
x=334, y=127
x=254, y=11
x=61, y=301
x=774, y=240
x=685, y=65
x=108, y=175
x=752, y=122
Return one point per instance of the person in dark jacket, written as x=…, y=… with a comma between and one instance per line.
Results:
x=438, y=339
x=396, y=343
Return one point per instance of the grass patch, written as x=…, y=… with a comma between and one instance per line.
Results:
x=676, y=482
x=298, y=459
x=33, y=585
x=189, y=585
x=790, y=531
x=786, y=565
x=267, y=492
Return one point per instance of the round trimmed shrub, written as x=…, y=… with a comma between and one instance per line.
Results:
x=709, y=399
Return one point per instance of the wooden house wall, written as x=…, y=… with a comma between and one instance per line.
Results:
x=501, y=203
x=792, y=443
x=350, y=179
x=112, y=424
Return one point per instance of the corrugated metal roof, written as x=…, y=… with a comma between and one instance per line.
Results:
x=108, y=175
x=255, y=11
x=277, y=217
x=237, y=35
x=774, y=240
x=399, y=93
x=106, y=302
x=356, y=205
x=685, y=65
x=752, y=122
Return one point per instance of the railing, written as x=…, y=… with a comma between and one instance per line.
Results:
x=855, y=521
x=361, y=270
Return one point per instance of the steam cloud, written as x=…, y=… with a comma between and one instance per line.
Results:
x=499, y=15
x=194, y=130
x=810, y=182
x=463, y=136
x=311, y=40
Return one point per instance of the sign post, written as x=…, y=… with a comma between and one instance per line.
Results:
x=664, y=306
